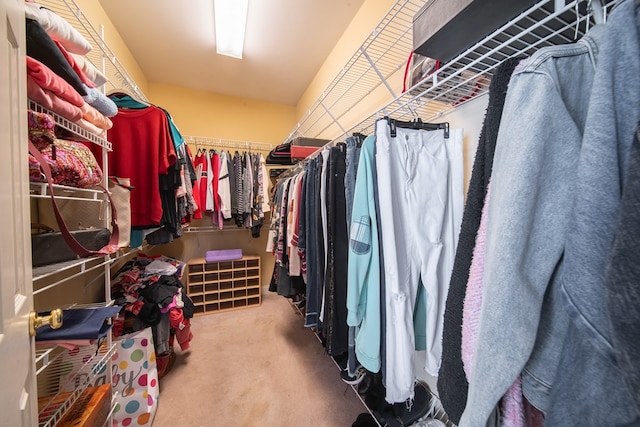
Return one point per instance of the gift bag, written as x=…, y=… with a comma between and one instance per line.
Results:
x=135, y=379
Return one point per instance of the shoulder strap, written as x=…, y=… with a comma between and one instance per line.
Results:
x=109, y=248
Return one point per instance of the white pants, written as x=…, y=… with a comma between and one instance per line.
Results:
x=415, y=188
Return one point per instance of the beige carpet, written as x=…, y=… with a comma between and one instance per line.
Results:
x=255, y=367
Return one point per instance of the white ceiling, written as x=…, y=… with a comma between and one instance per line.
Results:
x=286, y=43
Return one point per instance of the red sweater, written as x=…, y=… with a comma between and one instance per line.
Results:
x=142, y=150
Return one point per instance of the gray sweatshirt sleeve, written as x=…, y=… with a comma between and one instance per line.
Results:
x=532, y=191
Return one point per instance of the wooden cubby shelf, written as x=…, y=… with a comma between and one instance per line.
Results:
x=224, y=285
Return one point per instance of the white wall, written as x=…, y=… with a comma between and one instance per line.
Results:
x=470, y=117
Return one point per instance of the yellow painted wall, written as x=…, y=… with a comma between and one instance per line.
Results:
x=199, y=113
x=190, y=107
x=98, y=18
x=195, y=112
x=370, y=14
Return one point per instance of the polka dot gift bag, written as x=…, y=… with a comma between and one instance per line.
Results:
x=135, y=380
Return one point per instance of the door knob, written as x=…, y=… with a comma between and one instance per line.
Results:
x=54, y=320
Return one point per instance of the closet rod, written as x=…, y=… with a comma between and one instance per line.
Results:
x=209, y=142
x=417, y=124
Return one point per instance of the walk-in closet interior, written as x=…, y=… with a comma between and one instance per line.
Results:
x=380, y=213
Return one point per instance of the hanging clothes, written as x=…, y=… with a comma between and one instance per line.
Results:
x=202, y=166
x=149, y=129
x=237, y=204
x=452, y=382
x=337, y=252
x=224, y=186
x=363, y=291
x=314, y=244
x=412, y=243
x=557, y=172
x=247, y=173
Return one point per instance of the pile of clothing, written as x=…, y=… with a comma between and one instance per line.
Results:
x=151, y=294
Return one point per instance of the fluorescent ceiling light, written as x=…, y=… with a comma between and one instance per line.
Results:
x=231, y=22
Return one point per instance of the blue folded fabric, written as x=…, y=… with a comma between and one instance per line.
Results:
x=80, y=324
x=100, y=101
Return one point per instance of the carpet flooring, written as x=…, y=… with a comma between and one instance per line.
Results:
x=257, y=366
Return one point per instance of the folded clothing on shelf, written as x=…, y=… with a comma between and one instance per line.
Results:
x=280, y=155
x=223, y=255
x=302, y=147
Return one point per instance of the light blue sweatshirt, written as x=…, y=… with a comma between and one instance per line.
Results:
x=363, y=286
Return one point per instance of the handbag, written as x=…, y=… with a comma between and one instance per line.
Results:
x=71, y=162
x=49, y=247
x=72, y=242
x=82, y=215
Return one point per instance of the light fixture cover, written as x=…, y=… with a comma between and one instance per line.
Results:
x=230, y=22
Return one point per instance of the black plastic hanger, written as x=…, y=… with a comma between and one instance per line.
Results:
x=359, y=138
x=417, y=124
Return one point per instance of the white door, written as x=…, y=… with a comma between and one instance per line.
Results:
x=18, y=390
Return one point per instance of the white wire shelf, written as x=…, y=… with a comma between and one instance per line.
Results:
x=81, y=266
x=231, y=144
x=466, y=77
x=71, y=126
x=101, y=55
x=60, y=385
x=47, y=354
x=64, y=192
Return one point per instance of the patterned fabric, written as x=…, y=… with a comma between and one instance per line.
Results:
x=41, y=129
x=257, y=214
x=272, y=239
x=237, y=203
x=248, y=189
x=71, y=163
x=281, y=256
x=360, y=240
x=258, y=182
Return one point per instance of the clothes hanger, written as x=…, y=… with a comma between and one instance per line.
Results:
x=417, y=124
x=360, y=137
x=124, y=98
